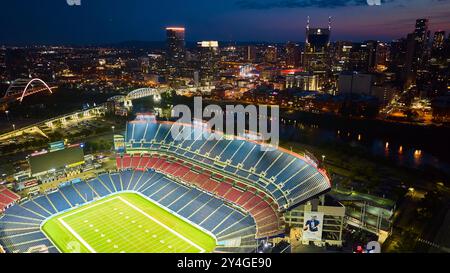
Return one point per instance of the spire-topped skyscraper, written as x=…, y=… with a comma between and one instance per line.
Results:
x=316, y=47
x=317, y=39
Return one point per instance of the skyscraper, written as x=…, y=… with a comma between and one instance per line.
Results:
x=439, y=40
x=341, y=55
x=361, y=57
x=251, y=53
x=270, y=55
x=417, y=54
x=316, y=47
x=317, y=39
x=439, y=65
x=382, y=55
x=421, y=30
x=292, y=55
x=369, y=56
x=208, y=59
x=176, y=46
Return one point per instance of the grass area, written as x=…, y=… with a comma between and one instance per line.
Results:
x=125, y=223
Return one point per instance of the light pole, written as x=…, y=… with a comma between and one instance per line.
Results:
x=14, y=127
x=7, y=115
x=113, y=127
x=323, y=158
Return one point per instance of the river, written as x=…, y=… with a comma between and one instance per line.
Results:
x=413, y=146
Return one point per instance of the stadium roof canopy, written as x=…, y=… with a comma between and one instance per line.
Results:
x=56, y=160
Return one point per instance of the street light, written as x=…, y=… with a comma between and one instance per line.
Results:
x=323, y=158
x=113, y=127
x=14, y=127
x=7, y=115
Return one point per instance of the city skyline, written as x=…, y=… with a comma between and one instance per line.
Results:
x=55, y=22
x=225, y=126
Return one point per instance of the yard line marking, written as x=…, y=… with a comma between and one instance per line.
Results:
x=163, y=225
x=88, y=207
x=76, y=235
x=127, y=204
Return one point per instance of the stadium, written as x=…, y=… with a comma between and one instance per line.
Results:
x=169, y=195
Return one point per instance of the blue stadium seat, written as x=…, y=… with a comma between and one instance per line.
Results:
x=194, y=205
x=126, y=178
x=58, y=201
x=32, y=206
x=167, y=200
x=71, y=195
x=87, y=193
x=115, y=177
x=99, y=187
x=214, y=219
x=43, y=202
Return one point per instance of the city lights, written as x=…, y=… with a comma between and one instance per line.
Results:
x=245, y=127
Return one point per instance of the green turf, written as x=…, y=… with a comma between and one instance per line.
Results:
x=122, y=223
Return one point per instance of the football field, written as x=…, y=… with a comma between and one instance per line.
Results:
x=125, y=223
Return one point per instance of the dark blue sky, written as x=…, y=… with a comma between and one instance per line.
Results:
x=108, y=21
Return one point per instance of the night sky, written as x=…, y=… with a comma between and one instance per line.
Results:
x=110, y=21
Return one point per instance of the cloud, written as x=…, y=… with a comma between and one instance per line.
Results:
x=270, y=4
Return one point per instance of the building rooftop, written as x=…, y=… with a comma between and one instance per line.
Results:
x=56, y=160
x=343, y=195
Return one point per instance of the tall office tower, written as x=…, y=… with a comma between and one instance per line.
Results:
x=341, y=55
x=438, y=40
x=369, y=56
x=359, y=57
x=398, y=52
x=176, y=47
x=417, y=55
x=371, y=47
x=270, y=55
x=315, y=55
x=438, y=49
x=439, y=66
x=382, y=55
x=208, y=59
x=422, y=37
x=410, y=60
x=293, y=55
x=251, y=53
x=421, y=30
x=317, y=39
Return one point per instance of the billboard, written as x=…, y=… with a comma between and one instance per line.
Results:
x=56, y=146
x=119, y=143
x=312, y=226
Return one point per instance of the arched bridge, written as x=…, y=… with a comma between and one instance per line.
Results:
x=138, y=94
x=22, y=88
